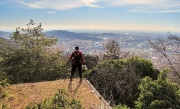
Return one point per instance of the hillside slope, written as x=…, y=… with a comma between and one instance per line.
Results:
x=20, y=95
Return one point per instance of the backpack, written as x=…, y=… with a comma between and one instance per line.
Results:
x=77, y=57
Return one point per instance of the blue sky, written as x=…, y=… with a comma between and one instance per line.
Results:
x=92, y=15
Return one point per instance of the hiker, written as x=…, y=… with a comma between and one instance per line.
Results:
x=77, y=61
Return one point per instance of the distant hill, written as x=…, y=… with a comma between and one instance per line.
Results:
x=67, y=35
x=4, y=34
x=1, y=38
x=63, y=34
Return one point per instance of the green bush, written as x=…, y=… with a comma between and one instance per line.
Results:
x=4, y=95
x=142, y=67
x=91, y=61
x=120, y=106
x=30, y=56
x=117, y=80
x=4, y=83
x=158, y=94
x=59, y=101
x=4, y=106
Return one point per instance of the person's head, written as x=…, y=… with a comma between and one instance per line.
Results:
x=76, y=48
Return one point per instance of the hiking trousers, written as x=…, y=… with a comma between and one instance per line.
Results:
x=74, y=66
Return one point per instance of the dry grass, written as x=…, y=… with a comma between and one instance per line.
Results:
x=20, y=95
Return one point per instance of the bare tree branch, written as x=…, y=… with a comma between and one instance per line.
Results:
x=161, y=46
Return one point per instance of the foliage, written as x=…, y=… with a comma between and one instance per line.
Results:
x=112, y=46
x=4, y=106
x=142, y=67
x=3, y=50
x=4, y=83
x=158, y=94
x=4, y=95
x=91, y=61
x=120, y=106
x=59, y=101
x=117, y=80
x=30, y=56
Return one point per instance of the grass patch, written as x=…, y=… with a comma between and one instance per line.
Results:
x=59, y=101
x=11, y=97
x=4, y=95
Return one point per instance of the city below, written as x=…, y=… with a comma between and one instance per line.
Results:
x=94, y=43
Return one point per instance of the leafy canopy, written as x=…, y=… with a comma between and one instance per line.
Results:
x=158, y=94
x=29, y=56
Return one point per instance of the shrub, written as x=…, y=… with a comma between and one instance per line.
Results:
x=120, y=106
x=3, y=92
x=4, y=83
x=4, y=106
x=158, y=94
x=142, y=67
x=59, y=101
x=91, y=61
x=4, y=95
x=117, y=80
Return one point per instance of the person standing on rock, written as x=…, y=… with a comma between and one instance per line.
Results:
x=77, y=60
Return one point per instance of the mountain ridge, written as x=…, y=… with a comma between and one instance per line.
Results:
x=64, y=34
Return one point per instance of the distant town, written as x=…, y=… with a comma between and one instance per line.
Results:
x=135, y=43
x=93, y=43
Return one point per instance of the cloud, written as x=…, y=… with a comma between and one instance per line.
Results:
x=50, y=12
x=131, y=2
x=155, y=11
x=148, y=6
x=143, y=6
x=57, y=4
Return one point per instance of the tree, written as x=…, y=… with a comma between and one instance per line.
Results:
x=142, y=67
x=158, y=94
x=28, y=57
x=112, y=46
x=169, y=48
x=91, y=60
x=117, y=80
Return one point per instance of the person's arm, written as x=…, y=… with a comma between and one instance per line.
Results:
x=70, y=57
x=82, y=57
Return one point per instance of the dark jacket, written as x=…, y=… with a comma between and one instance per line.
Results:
x=77, y=57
